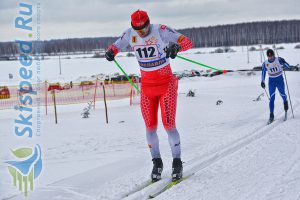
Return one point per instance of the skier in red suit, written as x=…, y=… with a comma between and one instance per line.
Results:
x=153, y=45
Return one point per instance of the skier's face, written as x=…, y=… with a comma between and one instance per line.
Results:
x=270, y=57
x=144, y=31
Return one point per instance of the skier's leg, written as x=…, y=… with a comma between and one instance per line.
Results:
x=174, y=141
x=272, y=88
x=281, y=88
x=153, y=143
x=149, y=108
x=168, y=104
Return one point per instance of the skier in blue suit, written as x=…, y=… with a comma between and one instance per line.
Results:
x=274, y=67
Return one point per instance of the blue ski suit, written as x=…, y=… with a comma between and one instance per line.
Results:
x=275, y=68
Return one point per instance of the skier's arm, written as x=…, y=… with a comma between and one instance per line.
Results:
x=118, y=45
x=263, y=73
x=169, y=35
x=184, y=42
x=284, y=63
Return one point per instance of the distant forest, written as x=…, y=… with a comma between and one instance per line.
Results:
x=242, y=34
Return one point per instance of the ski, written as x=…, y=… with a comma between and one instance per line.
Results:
x=270, y=121
x=169, y=185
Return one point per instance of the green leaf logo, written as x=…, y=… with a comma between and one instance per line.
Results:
x=26, y=168
x=22, y=152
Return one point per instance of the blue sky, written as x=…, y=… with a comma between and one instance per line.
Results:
x=96, y=18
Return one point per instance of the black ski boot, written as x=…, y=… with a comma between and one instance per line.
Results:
x=157, y=169
x=286, y=106
x=176, y=169
x=271, y=119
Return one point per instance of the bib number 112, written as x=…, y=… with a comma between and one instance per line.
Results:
x=146, y=52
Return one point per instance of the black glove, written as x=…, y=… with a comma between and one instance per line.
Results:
x=172, y=50
x=110, y=55
x=263, y=85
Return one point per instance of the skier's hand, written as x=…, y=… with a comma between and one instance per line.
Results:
x=172, y=50
x=263, y=85
x=110, y=55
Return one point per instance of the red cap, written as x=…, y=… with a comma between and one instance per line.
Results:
x=139, y=19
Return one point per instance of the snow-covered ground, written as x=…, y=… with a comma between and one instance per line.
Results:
x=230, y=151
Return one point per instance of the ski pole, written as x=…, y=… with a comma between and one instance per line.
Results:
x=267, y=93
x=262, y=51
x=287, y=86
x=129, y=79
x=203, y=65
x=276, y=49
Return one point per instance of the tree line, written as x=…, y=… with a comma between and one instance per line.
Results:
x=287, y=31
x=242, y=34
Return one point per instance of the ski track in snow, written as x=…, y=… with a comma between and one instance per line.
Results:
x=197, y=164
x=287, y=186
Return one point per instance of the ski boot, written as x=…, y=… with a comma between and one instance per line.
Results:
x=157, y=169
x=271, y=119
x=286, y=106
x=176, y=169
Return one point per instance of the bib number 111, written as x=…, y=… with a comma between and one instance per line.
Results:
x=274, y=69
